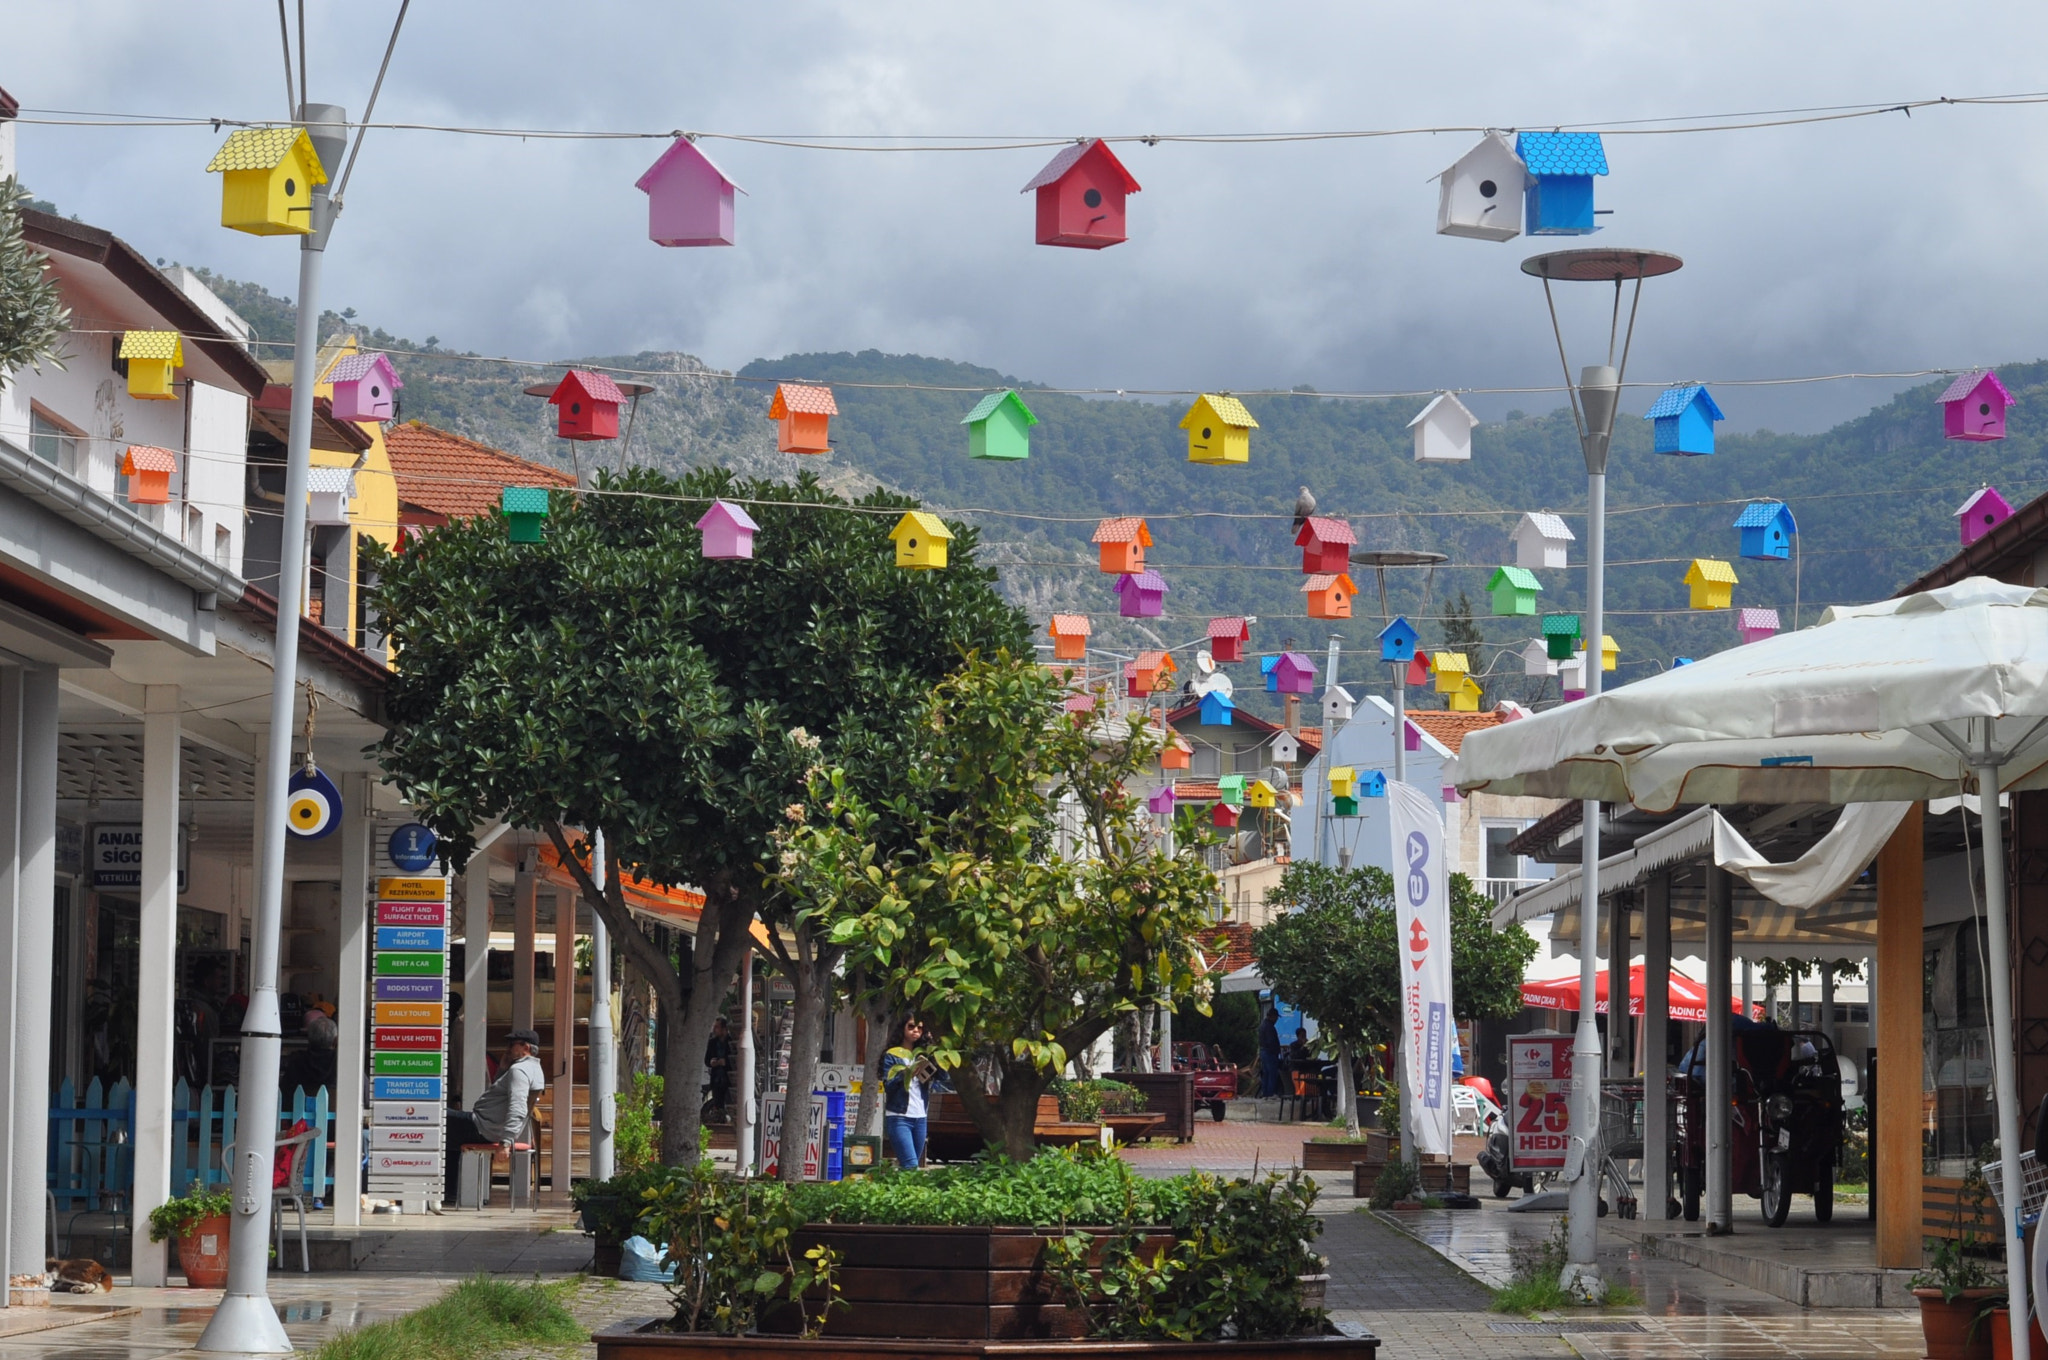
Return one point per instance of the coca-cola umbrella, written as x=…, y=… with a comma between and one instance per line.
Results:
x=1688, y=998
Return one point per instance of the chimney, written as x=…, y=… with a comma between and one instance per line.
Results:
x=1293, y=719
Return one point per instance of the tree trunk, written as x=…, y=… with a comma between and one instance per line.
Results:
x=869, y=1121
x=809, y=969
x=1005, y=1118
x=1347, y=1091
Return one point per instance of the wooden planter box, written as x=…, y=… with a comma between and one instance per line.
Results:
x=1339, y=1156
x=641, y=1344
x=1171, y=1094
x=1437, y=1178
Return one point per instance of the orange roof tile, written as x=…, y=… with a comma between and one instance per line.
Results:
x=1071, y=625
x=1451, y=728
x=147, y=458
x=449, y=475
x=807, y=401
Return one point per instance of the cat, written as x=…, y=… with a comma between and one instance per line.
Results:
x=83, y=1276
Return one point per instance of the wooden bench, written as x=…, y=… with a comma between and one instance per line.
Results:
x=951, y=1136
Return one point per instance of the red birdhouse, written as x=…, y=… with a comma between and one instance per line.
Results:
x=1227, y=638
x=1081, y=197
x=587, y=406
x=803, y=417
x=1123, y=542
x=1223, y=815
x=1325, y=545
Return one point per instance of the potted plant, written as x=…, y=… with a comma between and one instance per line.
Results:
x=199, y=1220
x=1952, y=1291
x=611, y=1211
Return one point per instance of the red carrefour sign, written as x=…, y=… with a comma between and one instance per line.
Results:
x=1539, y=1100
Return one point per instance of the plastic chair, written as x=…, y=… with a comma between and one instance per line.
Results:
x=297, y=1146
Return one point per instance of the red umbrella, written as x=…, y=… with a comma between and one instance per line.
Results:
x=1688, y=998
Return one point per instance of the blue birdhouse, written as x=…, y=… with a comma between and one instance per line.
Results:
x=1559, y=198
x=1678, y=661
x=1217, y=709
x=1397, y=641
x=1767, y=530
x=1372, y=784
x=1685, y=419
x=1266, y=665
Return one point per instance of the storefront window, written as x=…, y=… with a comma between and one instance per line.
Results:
x=1956, y=1068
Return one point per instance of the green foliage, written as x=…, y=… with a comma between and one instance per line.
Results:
x=174, y=1218
x=1086, y=1102
x=1397, y=1181
x=1231, y=1025
x=1952, y=1268
x=612, y=1208
x=479, y=1318
x=732, y=1244
x=33, y=317
x=1232, y=1269
x=636, y=1141
x=1056, y=1188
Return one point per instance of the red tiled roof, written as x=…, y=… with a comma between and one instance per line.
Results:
x=1324, y=529
x=1228, y=947
x=1452, y=728
x=1231, y=626
x=449, y=475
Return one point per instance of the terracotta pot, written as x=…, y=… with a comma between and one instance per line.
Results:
x=203, y=1253
x=1945, y=1327
x=2000, y=1327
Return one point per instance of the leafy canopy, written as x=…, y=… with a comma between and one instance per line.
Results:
x=33, y=317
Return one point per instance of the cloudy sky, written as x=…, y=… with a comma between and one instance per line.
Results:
x=1872, y=245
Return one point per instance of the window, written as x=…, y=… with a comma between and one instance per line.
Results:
x=52, y=440
x=223, y=546
x=1502, y=862
x=195, y=529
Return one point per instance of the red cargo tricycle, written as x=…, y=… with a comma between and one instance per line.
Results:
x=1785, y=1124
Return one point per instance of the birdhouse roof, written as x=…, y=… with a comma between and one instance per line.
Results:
x=1536, y=647
x=356, y=367
x=1056, y=169
x=1969, y=382
x=803, y=400
x=1447, y=407
x=1069, y=625
x=1123, y=529
x=1161, y=662
x=1760, y=514
x=1451, y=663
x=264, y=148
x=1219, y=699
x=1608, y=644
x=1756, y=618
x=1546, y=525
x=1984, y=495
x=525, y=500
x=731, y=514
x=1521, y=578
x=1260, y=786
x=1324, y=582
x=153, y=345
x=921, y=522
x=1224, y=408
x=1324, y=529
x=681, y=151
x=593, y=386
x=1673, y=401
x=1710, y=569
x=1399, y=628
x=331, y=481
x=1147, y=580
x=1231, y=627
x=1469, y=686
x=147, y=458
x=1296, y=662
x=993, y=402
x=1560, y=625
x=1562, y=153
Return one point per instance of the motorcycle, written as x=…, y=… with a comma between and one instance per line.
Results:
x=1785, y=1123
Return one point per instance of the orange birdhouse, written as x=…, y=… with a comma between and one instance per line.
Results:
x=1329, y=597
x=803, y=417
x=1176, y=754
x=1123, y=542
x=1148, y=674
x=1069, y=636
x=148, y=470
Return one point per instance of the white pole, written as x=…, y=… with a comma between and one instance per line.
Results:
x=603, y=1087
x=745, y=1131
x=157, y=984
x=2002, y=1064
x=358, y=853
x=1582, y=1275
x=1656, y=1029
x=1720, y=1038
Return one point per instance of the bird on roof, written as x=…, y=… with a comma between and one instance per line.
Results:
x=1304, y=506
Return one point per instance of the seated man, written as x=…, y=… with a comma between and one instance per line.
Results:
x=499, y=1115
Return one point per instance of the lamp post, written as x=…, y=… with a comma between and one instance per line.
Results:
x=1594, y=399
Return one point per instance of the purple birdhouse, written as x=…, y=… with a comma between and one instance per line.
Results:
x=1141, y=595
x=1294, y=673
x=1756, y=624
x=1982, y=513
x=1974, y=405
x=365, y=387
x=1161, y=800
x=728, y=531
x=689, y=199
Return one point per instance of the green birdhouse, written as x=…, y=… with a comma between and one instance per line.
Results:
x=999, y=426
x=1514, y=590
x=525, y=507
x=1231, y=789
x=1561, y=635
x=1344, y=807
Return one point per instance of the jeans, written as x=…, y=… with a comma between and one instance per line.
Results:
x=903, y=1138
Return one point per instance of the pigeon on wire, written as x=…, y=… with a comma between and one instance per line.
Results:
x=1304, y=506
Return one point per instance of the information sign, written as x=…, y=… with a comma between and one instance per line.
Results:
x=1539, y=1100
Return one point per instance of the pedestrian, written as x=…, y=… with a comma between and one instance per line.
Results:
x=1269, y=1053
x=906, y=1086
x=718, y=1068
x=499, y=1115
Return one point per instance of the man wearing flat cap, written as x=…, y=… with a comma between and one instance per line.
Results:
x=499, y=1114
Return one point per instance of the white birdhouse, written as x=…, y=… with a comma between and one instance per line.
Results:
x=332, y=489
x=1482, y=193
x=1443, y=431
x=1337, y=705
x=1536, y=658
x=1285, y=748
x=1540, y=540
x=1571, y=675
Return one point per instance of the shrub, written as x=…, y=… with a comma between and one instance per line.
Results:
x=1086, y=1102
x=1398, y=1180
x=636, y=1133
x=732, y=1245
x=612, y=1208
x=175, y=1218
x=1056, y=1188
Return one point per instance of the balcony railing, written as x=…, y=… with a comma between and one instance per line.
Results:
x=1499, y=890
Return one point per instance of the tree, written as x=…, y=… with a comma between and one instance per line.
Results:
x=1461, y=634
x=1333, y=952
x=33, y=317
x=611, y=678
x=1035, y=904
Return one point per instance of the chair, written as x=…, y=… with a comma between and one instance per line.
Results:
x=525, y=1162
x=297, y=1146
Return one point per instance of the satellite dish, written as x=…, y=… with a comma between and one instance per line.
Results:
x=1216, y=682
x=1278, y=777
x=1205, y=663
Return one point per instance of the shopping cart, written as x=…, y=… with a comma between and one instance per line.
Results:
x=2033, y=1189
x=1621, y=1141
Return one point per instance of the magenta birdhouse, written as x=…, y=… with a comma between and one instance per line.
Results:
x=365, y=387
x=1141, y=595
x=1982, y=513
x=1294, y=673
x=1974, y=405
x=689, y=199
x=1756, y=624
x=1081, y=197
x=728, y=531
x=1161, y=800
x=587, y=406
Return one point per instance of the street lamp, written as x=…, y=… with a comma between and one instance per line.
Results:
x=1593, y=399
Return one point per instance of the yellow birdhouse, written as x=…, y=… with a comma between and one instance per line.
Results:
x=151, y=357
x=921, y=540
x=1452, y=669
x=1260, y=794
x=1713, y=583
x=1609, y=653
x=1344, y=781
x=1465, y=698
x=267, y=182
x=1219, y=430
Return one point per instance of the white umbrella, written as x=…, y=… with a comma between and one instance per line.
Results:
x=1920, y=697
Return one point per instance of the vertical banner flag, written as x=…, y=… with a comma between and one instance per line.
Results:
x=1423, y=918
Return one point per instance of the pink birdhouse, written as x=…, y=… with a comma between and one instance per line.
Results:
x=587, y=406
x=1756, y=624
x=1294, y=673
x=365, y=387
x=728, y=531
x=1325, y=545
x=1161, y=800
x=1411, y=736
x=1141, y=595
x=1982, y=513
x=1974, y=405
x=689, y=199
x=1081, y=197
